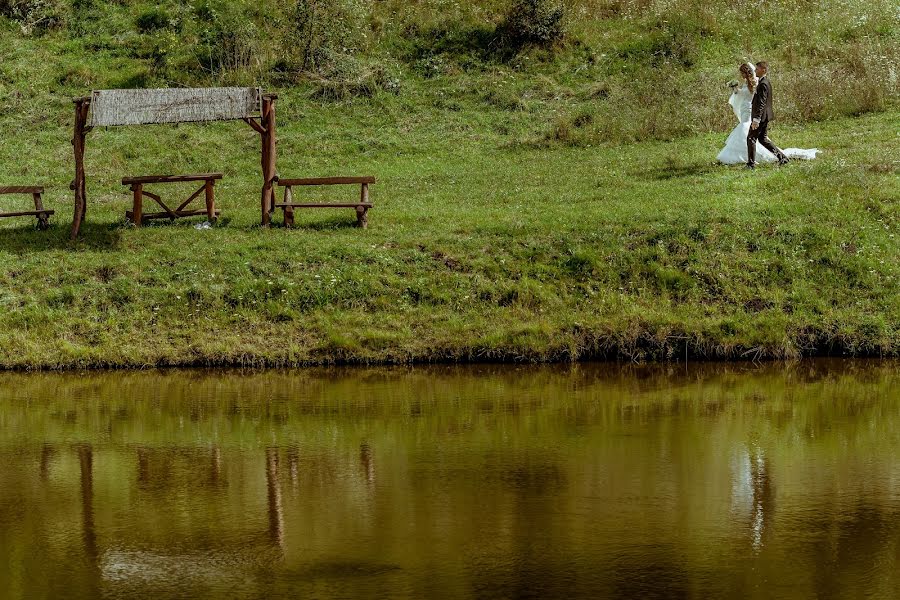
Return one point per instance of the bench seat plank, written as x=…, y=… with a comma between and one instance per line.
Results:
x=28, y=213
x=322, y=205
x=22, y=189
x=325, y=181
x=170, y=178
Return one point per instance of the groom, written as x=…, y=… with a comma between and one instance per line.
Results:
x=762, y=114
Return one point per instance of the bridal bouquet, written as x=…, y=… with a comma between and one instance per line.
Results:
x=733, y=84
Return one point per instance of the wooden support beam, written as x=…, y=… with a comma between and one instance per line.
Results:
x=268, y=158
x=164, y=215
x=170, y=178
x=326, y=181
x=288, y=207
x=191, y=198
x=43, y=216
x=78, y=144
x=256, y=126
x=159, y=201
x=136, y=216
x=210, y=201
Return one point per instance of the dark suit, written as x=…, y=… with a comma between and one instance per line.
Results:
x=762, y=113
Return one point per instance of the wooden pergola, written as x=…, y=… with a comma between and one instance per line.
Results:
x=113, y=108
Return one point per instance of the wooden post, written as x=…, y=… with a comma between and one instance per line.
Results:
x=81, y=110
x=43, y=220
x=362, y=217
x=210, y=201
x=268, y=157
x=138, y=209
x=288, y=209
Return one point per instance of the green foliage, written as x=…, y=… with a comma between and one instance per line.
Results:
x=227, y=39
x=324, y=32
x=537, y=22
x=153, y=19
x=34, y=15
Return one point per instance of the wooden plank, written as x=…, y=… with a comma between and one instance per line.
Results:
x=163, y=215
x=325, y=181
x=28, y=213
x=174, y=105
x=170, y=178
x=22, y=189
x=322, y=205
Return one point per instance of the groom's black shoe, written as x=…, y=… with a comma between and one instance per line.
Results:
x=751, y=166
x=783, y=161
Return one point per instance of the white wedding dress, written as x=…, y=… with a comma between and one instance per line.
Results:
x=735, y=150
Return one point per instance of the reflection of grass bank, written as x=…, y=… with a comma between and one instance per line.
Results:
x=475, y=253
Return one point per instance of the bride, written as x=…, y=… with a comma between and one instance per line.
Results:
x=735, y=150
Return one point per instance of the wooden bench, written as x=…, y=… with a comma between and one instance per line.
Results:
x=42, y=214
x=362, y=207
x=137, y=214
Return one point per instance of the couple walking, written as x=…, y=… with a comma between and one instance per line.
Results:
x=753, y=107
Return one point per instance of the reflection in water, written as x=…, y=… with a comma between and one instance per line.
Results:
x=763, y=498
x=46, y=456
x=273, y=486
x=368, y=463
x=726, y=481
x=89, y=534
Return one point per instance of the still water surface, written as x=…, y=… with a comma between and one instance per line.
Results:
x=587, y=481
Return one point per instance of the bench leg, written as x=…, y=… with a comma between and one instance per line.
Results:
x=43, y=218
x=289, y=216
x=138, y=209
x=288, y=210
x=210, y=202
x=362, y=217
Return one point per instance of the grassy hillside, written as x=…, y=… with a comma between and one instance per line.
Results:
x=537, y=199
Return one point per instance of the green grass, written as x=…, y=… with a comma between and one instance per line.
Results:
x=510, y=222
x=475, y=251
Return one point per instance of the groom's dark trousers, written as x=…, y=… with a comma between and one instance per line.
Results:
x=761, y=134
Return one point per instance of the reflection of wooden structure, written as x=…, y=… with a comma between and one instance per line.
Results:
x=42, y=214
x=88, y=531
x=111, y=108
x=137, y=215
x=362, y=207
x=273, y=487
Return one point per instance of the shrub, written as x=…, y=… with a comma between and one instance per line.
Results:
x=533, y=22
x=34, y=15
x=153, y=19
x=324, y=30
x=354, y=80
x=228, y=40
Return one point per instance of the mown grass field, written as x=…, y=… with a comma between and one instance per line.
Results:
x=508, y=226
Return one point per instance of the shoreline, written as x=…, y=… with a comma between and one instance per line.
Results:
x=663, y=358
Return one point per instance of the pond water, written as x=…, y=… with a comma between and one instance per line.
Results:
x=564, y=481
